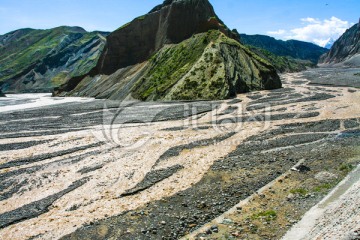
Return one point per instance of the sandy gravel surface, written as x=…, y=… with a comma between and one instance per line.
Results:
x=72, y=165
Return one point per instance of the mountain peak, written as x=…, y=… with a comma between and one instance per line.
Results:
x=169, y=2
x=71, y=29
x=160, y=6
x=171, y=22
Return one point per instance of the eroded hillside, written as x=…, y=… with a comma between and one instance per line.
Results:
x=39, y=60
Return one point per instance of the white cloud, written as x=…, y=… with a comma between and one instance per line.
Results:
x=278, y=32
x=310, y=20
x=314, y=30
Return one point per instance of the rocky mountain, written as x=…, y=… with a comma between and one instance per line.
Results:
x=171, y=22
x=290, y=48
x=180, y=50
x=346, y=50
x=39, y=60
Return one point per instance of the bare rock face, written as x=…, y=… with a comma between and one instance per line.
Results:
x=346, y=50
x=171, y=22
x=180, y=50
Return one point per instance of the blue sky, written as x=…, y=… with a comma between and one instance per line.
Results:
x=308, y=20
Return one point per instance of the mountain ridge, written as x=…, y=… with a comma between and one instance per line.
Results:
x=293, y=48
x=135, y=63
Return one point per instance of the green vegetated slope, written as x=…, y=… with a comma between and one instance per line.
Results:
x=206, y=66
x=39, y=60
x=291, y=48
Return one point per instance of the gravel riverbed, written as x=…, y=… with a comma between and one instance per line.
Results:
x=97, y=169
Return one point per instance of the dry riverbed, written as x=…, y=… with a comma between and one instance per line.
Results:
x=163, y=170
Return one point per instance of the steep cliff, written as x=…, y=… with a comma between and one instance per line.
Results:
x=179, y=50
x=346, y=50
x=171, y=22
x=39, y=60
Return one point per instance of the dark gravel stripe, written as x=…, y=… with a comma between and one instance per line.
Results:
x=255, y=97
x=283, y=90
x=320, y=126
x=229, y=110
x=47, y=156
x=37, y=134
x=173, y=129
x=71, y=140
x=12, y=187
x=234, y=101
x=90, y=169
x=20, y=145
x=264, y=118
x=202, y=128
x=9, y=187
x=151, y=179
x=315, y=97
x=351, y=123
x=276, y=97
x=180, y=112
x=37, y=208
x=291, y=140
x=175, y=151
x=355, y=133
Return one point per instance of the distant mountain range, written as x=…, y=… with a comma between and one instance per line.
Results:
x=291, y=48
x=345, y=51
x=39, y=60
x=282, y=63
